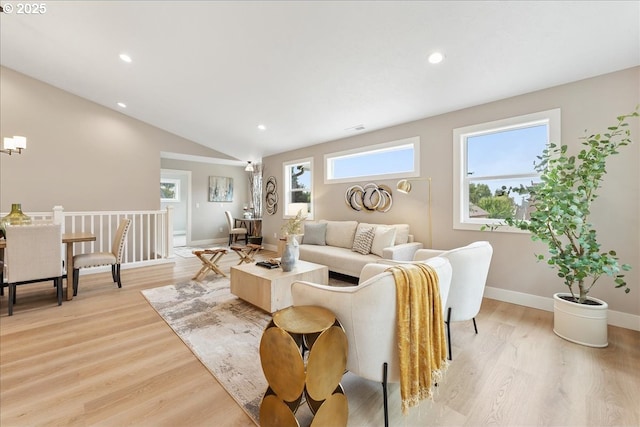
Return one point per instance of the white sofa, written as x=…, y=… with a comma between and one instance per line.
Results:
x=331, y=243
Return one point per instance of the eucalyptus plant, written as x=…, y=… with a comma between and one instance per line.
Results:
x=560, y=208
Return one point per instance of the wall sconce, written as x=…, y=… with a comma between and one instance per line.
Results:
x=249, y=167
x=404, y=186
x=17, y=143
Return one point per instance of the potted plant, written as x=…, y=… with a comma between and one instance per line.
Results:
x=559, y=209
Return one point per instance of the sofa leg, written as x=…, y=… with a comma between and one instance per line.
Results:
x=384, y=394
x=448, y=322
x=475, y=326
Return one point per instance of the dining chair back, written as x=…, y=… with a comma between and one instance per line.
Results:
x=97, y=259
x=33, y=254
x=234, y=231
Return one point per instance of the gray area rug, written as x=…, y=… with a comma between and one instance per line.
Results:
x=224, y=333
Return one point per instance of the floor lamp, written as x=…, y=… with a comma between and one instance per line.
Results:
x=404, y=186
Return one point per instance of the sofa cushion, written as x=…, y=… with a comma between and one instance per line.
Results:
x=340, y=233
x=363, y=240
x=384, y=237
x=314, y=234
x=339, y=260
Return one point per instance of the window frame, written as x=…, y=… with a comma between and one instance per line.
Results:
x=414, y=141
x=286, y=166
x=461, y=219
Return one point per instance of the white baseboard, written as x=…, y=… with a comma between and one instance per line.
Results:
x=614, y=318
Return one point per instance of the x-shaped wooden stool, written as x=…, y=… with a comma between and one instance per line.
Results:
x=246, y=253
x=210, y=263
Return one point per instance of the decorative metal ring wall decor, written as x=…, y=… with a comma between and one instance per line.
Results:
x=369, y=197
x=271, y=195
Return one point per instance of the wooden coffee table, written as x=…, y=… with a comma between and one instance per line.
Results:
x=271, y=289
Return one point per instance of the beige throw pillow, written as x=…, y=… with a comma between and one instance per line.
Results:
x=384, y=237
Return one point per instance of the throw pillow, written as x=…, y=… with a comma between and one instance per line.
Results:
x=383, y=238
x=402, y=233
x=363, y=240
x=314, y=234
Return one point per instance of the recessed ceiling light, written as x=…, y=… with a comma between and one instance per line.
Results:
x=125, y=57
x=122, y=105
x=436, y=58
x=262, y=127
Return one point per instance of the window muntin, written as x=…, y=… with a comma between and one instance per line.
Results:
x=396, y=159
x=492, y=156
x=298, y=185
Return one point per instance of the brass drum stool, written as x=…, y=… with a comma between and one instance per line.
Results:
x=284, y=342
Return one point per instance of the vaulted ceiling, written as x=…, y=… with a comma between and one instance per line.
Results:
x=310, y=71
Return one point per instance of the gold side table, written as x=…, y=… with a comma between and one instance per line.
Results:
x=282, y=354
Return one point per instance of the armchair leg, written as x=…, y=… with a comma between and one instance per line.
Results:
x=475, y=326
x=449, y=330
x=384, y=394
x=113, y=273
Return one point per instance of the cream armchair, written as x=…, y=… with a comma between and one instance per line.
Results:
x=367, y=313
x=470, y=269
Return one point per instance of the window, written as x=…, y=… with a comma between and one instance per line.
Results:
x=298, y=185
x=169, y=190
x=396, y=159
x=492, y=157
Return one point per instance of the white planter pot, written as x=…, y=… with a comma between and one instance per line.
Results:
x=580, y=323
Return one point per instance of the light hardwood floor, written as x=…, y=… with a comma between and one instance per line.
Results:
x=106, y=358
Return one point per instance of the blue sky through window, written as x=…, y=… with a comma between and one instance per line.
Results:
x=508, y=152
x=374, y=163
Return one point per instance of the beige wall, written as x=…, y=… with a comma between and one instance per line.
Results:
x=79, y=154
x=590, y=104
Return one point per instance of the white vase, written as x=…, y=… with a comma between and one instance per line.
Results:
x=580, y=323
x=290, y=254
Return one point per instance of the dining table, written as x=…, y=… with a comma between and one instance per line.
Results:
x=68, y=239
x=253, y=225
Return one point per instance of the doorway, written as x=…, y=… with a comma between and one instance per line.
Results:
x=175, y=191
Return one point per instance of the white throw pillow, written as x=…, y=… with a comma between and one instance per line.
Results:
x=384, y=238
x=402, y=233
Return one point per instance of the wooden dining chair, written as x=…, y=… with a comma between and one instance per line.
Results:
x=33, y=254
x=98, y=259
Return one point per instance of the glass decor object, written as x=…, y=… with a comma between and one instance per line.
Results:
x=15, y=217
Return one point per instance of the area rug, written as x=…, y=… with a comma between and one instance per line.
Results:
x=185, y=251
x=222, y=331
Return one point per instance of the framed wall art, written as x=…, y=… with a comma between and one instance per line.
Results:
x=220, y=189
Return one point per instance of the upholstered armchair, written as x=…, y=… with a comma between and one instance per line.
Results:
x=470, y=266
x=367, y=313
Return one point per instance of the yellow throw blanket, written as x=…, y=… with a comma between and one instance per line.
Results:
x=421, y=341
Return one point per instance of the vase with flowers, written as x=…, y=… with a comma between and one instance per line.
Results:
x=289, y=230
